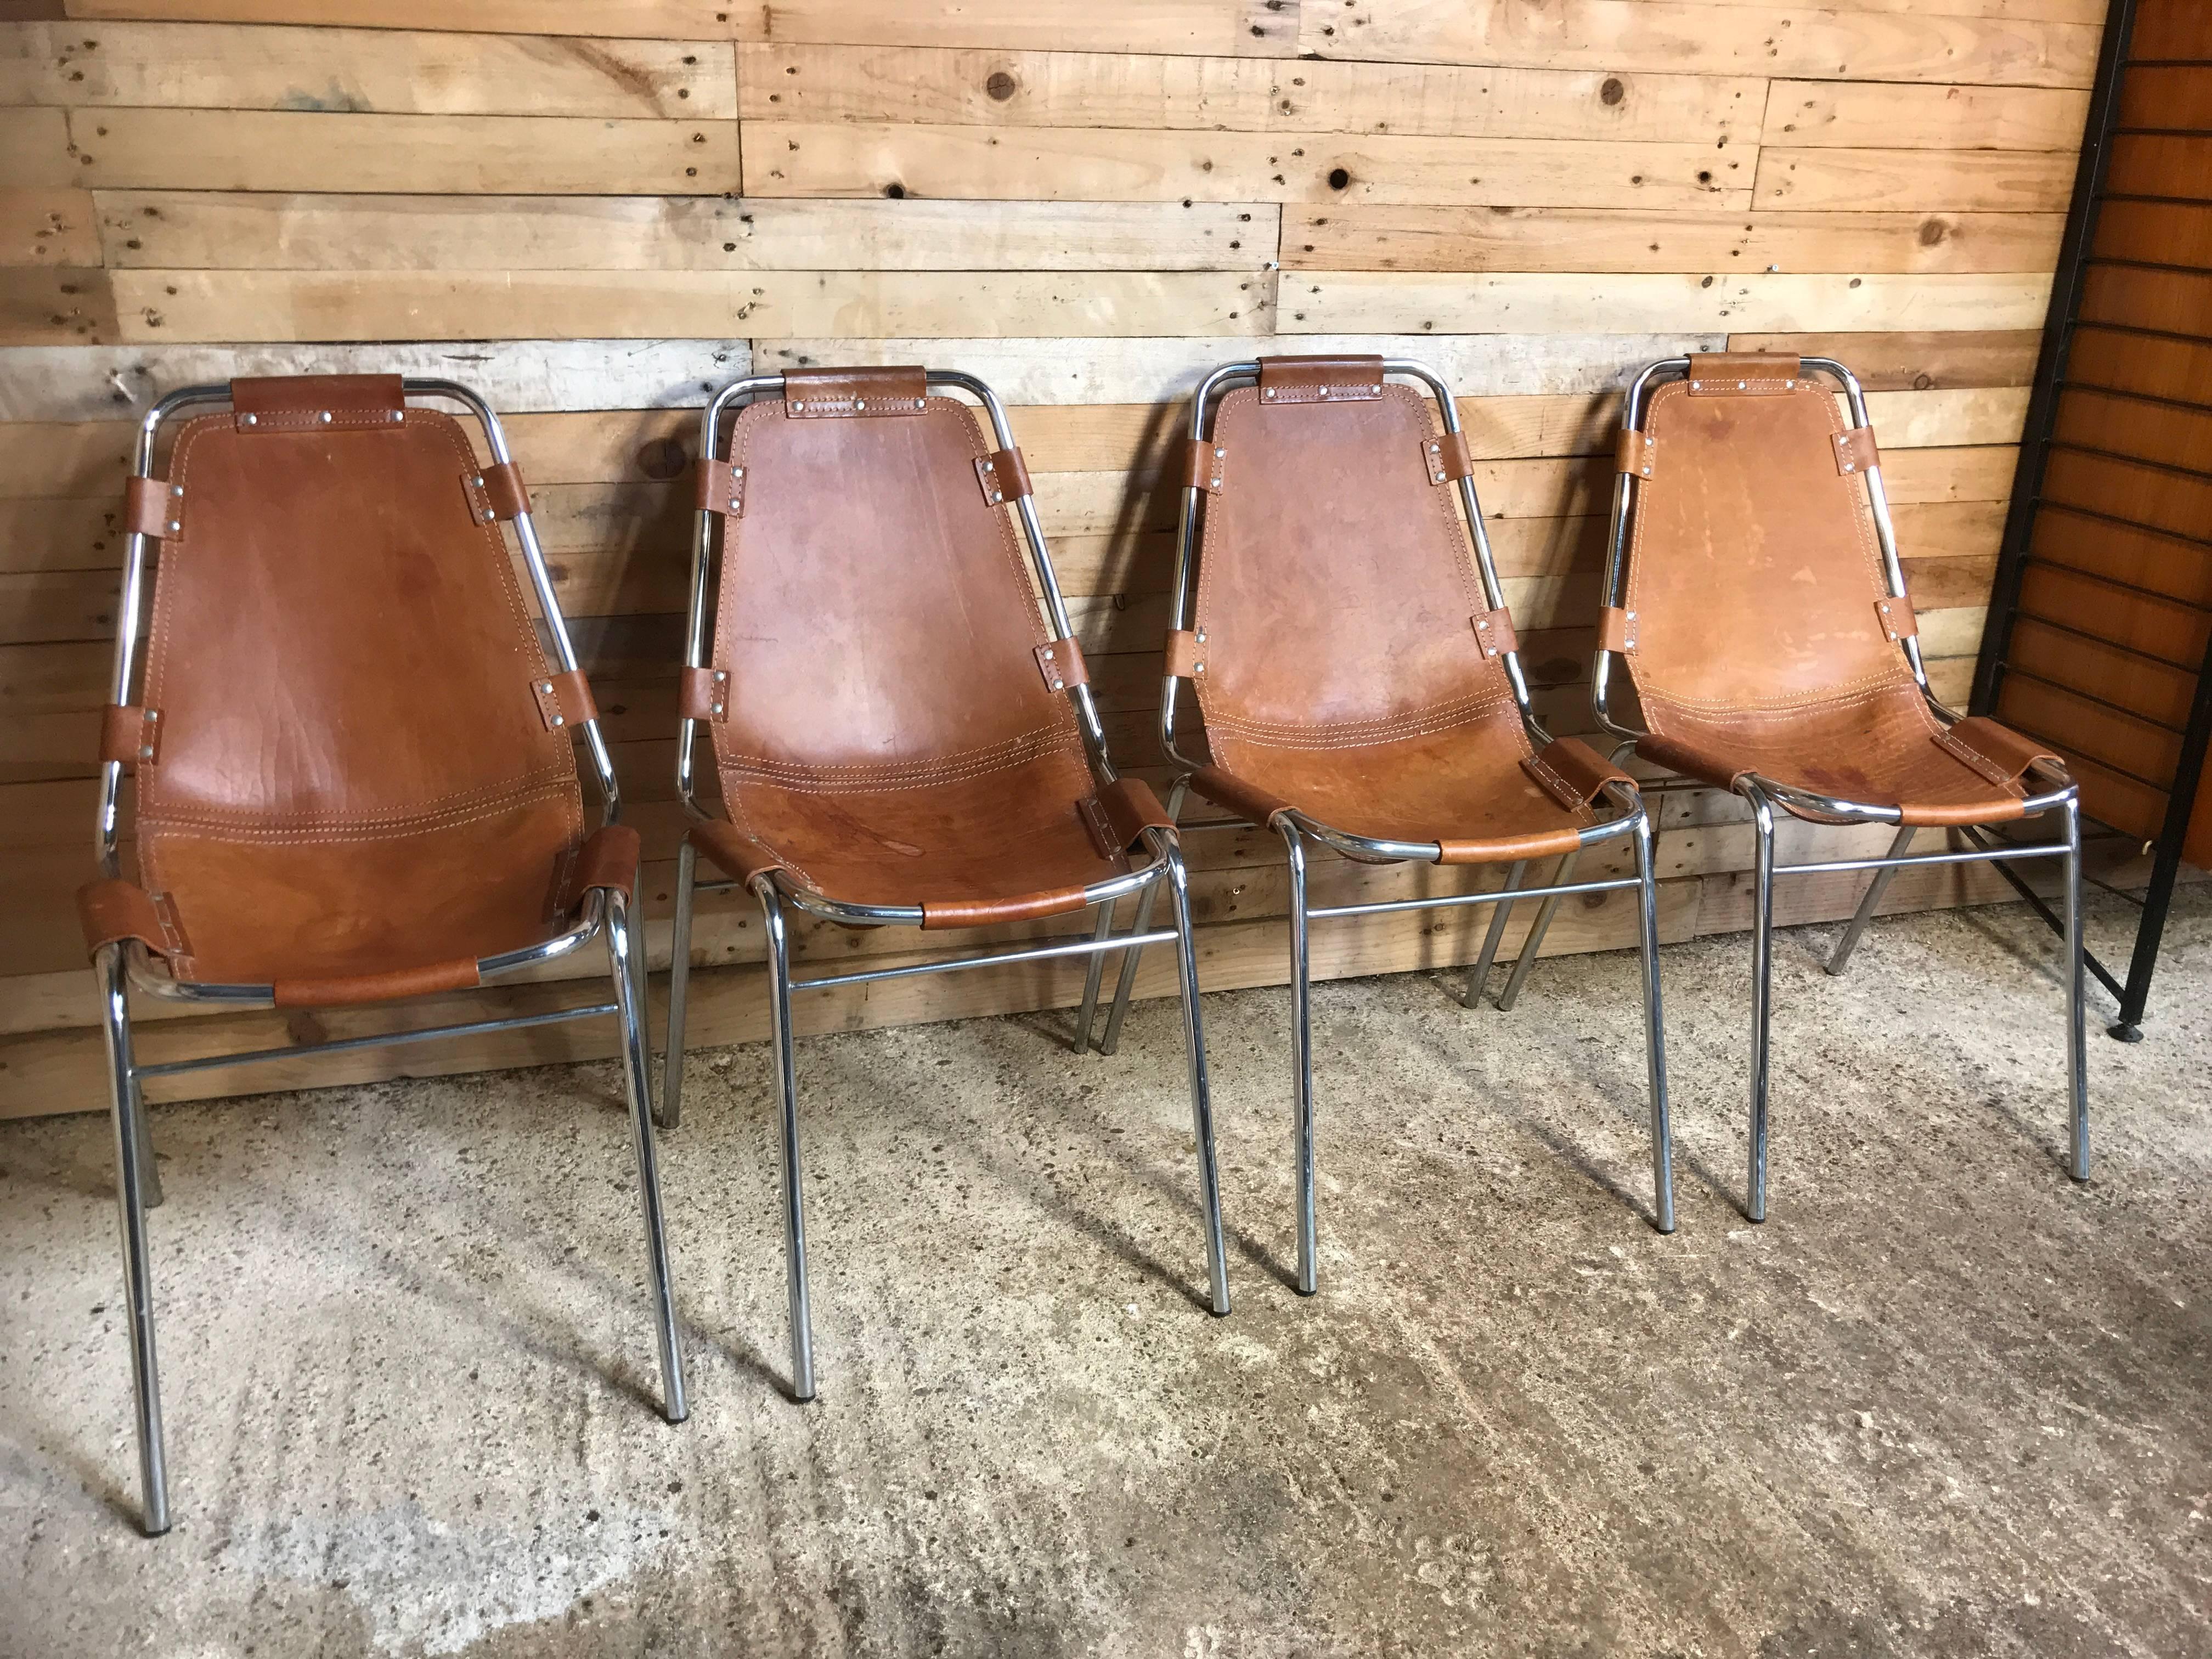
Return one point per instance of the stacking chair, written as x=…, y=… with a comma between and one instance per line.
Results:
x=901, y=738
x=353, y=773
x=1754, y=593
x=1360, y=680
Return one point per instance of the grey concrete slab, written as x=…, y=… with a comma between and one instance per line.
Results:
x=1943, y=1403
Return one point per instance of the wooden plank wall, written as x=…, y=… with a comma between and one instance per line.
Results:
x=595, y=209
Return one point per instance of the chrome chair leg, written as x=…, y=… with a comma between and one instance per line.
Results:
x=1860, y=917
x=794, y=1201
x=1112, y=1040
x=627, y=962
x=1654, y=1038
x=131, y=1167
x=679, y=986
x=1762, y=974
x=1302, y=1130
x=2077, y=1074
x=1201, y=1100
x=1089, y=1009
x=1529, y=947
x=1478, y=974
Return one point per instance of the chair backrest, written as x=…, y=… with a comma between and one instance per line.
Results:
x=352, y=709
x=874, y=614
x=1337, y=586
x=1754, y=574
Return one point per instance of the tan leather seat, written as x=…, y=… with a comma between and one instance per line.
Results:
x=1757, y=620
x=886, y=726
x=1345, y=661
x=354, y=764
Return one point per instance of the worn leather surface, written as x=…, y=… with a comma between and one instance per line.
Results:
x=1753, y=574
x=355, y=787
x=889, y=737
x=1343, y=677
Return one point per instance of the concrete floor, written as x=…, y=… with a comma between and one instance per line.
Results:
x=1944, y=1402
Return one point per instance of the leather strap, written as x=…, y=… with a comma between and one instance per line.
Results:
x=1493, y=631
x=1633, y=452
x=813, y=394
x=1186, y=654
x=1131, y=808
x=1854, y=451
x=564, y=700
x=152, y=507
x=1691, y=761
x=608, y=859
x=129, y=735
x=312, y=394
x=1500, y=847
x=510, y=496
x=1572, y=773
x=989, y=913
x=1202, y=464
x=1616, y=630
x=113, y=909
x=1061, y=662
x=1003, y=474
x=2002, y=810
x=495, y=492
x=1446, y=458
x=1897, y=618
x=1224, y=789
x=719, y=487
x=737, y=856
x=1319, y=379
x=1997, y=752
x=703, y=694
x=1743, y=373
x=459, y=976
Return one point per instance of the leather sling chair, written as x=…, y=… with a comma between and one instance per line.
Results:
x=1754, y=593
x=1360, y=681
x=900, y=738
x=355, y=778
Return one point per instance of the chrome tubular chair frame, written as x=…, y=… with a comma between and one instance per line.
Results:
x=123, y=967
x=1764, y=794
x=776, y=891
x=1296, y=829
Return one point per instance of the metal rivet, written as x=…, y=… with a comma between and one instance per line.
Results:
x=1375, y=388
x=477, y=482
x=717, y=708
x=1047, y=651
x=246, y=420
x=796, y=407
x=859, y=404
x=324, y=416
x=146, y=753
x=737, y=472
x=174, y=527
x=1742, y=386
x=397, y=415
x=176, y=489
x=720, y=675
x=486, y=515
x=1220, y=454
x=1433, y=448
x=1269, y=392
x=1201, y=636
x=153, y=714
x=1198, y=668
x=545, y=686
x=556, y=720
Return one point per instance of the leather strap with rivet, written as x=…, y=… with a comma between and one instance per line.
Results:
x=1446, y=457
x=129, y=735
x=1186, y=652
x=153, y=508
x=720, y=487
x=1061, y=662
x=1616, y=630
x=1202, y=466
x=564, y=700
x=703, y=694
x=1003, y=474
